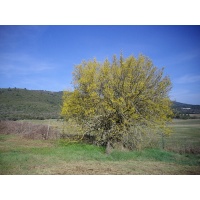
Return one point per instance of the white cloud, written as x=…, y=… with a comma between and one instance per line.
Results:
x=185, y=96
x=188, y=79
x=22, y=64
x=182, y=58
x=43, y=83
x=25, y=71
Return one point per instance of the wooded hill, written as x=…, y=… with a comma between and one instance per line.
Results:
x=184, y=108
x=29, y=104
x=18, y=104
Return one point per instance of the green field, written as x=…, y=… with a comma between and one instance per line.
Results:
x=185, y=135
x=19, y=155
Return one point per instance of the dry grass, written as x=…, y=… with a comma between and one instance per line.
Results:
x=28, y=151
x=184, y=149
x=195, y=115
x=119, y=168
x=104, y=168
x=13, y=143
x=24, y=156
x=28, y=130
x=185, y=137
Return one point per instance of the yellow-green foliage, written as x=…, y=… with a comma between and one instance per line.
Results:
x=118, y=99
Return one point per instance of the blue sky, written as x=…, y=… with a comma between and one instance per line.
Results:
x=43, y=57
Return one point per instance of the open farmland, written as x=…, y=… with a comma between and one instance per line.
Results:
x=19, y=155
x=185, y=135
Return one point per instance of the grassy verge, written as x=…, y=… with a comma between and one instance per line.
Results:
x=22, y=156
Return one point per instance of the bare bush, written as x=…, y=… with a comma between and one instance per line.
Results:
x=28, y=130
x=186, y=149
x=140, y=138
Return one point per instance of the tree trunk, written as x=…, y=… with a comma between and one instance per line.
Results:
x=108, y=148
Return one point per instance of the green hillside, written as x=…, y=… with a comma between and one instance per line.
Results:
x=186, y=108
x=29, y=104
x=40, y=104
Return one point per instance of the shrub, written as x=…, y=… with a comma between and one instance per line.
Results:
x=119, y=102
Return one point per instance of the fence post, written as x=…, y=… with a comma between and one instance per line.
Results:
x=48, y=130
x=163, y=141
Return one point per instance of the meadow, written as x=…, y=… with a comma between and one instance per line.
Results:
x=22, y=155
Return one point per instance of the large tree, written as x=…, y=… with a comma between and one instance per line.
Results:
x=119, y=101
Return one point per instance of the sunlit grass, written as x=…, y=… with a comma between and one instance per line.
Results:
x=54, y=157
x=26, y=156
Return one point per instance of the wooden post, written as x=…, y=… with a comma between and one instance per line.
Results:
x=163, y=141
x=48, y=130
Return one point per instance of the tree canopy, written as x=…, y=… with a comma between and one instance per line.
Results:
x=119, y=101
